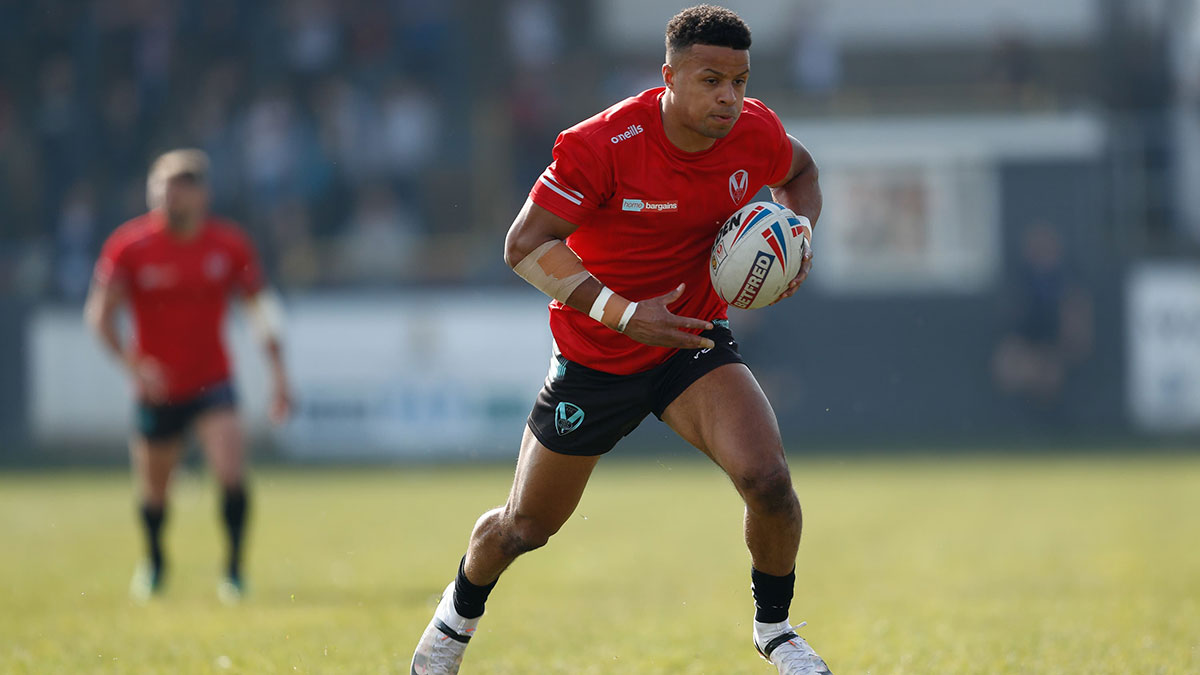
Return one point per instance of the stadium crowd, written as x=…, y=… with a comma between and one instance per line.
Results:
x=336, y=129
x=356, y=140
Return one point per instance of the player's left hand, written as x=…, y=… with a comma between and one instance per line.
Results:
x=805, y=266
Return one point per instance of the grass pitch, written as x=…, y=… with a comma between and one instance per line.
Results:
x=916, y=566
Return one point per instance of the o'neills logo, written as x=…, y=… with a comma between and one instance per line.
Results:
x=637, y=205
x=633, y=130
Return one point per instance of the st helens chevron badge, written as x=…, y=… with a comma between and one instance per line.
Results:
x=738, y=182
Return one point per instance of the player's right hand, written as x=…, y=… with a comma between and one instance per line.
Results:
x=149, y=379
x=653, y=324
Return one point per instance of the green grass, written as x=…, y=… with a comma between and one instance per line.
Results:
x=983, y=565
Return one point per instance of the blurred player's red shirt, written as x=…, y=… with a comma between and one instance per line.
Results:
x=178, y=290
x=648, y=213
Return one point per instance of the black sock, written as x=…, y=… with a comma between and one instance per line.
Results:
x=772, y=595
x=469, y=598
x=152, y=522
x=233, y=510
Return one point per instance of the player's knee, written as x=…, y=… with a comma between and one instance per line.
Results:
x=768, y=490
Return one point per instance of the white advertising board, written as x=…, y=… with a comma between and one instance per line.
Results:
x=912, y=205
x=1164, y=347
x=409, y=374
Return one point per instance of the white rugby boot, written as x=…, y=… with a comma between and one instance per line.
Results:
x=231, y=590
x=146, y=583
x=440, y=651
x=779, y=644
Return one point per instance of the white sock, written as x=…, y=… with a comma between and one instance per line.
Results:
x=765, y=632
x=451, y=618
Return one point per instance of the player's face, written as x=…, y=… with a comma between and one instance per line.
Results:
x=708, y=86
x=185, y=199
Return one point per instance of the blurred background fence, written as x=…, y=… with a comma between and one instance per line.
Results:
x=1009, y=254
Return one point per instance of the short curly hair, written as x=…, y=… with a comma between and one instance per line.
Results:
x=706, y=25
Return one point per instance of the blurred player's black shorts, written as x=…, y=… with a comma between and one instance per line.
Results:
x=170, y=420
x=583, y=411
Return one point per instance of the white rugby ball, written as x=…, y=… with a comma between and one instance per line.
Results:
x=757, y=252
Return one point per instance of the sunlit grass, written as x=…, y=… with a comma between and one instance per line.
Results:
x=1061, y=565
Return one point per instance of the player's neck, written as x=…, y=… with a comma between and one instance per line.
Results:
x=183, y=229
x=677, y=133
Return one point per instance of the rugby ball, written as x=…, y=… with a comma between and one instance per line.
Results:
x=757, y=252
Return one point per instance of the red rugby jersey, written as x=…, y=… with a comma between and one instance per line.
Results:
x=648, y=214
x=178, y=290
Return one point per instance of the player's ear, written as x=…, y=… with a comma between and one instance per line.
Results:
x=668, y=75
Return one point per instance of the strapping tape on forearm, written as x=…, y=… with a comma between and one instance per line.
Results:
x=554, y=269
x=265, y=312
x=602, y=299
x=612, y=310
x=626, y=316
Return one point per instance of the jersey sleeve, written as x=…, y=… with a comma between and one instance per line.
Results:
x=112, y=267
x=248, y=276
x=780, y=148
x=576, y=183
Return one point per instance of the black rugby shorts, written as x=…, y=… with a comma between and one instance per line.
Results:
x=170, y=420
x=584, y=411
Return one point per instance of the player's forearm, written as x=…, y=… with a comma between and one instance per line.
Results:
x=112, y=340
x=802, y=194
x=557, y=271
x=273, y=350
x=103, y=323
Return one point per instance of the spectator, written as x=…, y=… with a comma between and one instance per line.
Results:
x=381, y=242
x=58, y=123
x=534, y=36
x=270, y=138
x=76, y=232
x=816, y=56
x=292, y=245
x=313, y=36
x=411, y=130
x=1052, y=324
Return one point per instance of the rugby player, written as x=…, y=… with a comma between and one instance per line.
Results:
x=176, y=267
x=618, y=231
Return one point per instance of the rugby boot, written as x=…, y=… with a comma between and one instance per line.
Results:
x=440, y=651
x=147, y=581
x=789, y=652
x=231, y=590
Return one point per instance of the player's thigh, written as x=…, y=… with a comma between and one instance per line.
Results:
x=220, y=433
x=152, y=461
x=727, y=416
x=547, y=486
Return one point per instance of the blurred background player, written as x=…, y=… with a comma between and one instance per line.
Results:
x=176, y=267
x=618, y=230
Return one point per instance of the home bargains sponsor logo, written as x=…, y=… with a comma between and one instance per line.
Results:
x=638, y=205
x=754, y=280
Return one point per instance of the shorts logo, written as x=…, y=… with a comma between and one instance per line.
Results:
x=567, y=418
x=639, y=205
x=738, y=182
